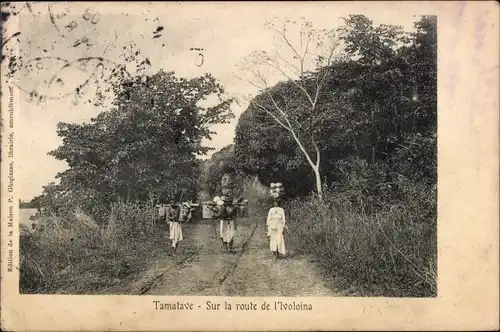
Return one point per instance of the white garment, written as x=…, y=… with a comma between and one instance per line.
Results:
x=275, y=226
x=176, y=233
x=171, y=235
x=227, y=230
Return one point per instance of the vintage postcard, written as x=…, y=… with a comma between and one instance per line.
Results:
x=249, y=166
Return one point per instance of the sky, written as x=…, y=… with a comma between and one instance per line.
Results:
x=226, y=33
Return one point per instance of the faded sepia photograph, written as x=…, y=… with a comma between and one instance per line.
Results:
x=179, y=157
x=289, y=154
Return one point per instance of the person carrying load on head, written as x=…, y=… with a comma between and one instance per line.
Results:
x=171, y=214
x=216, y=209
x=174, y=226
x=228, y=223
x=276, y=192
x=186, y=212
x=276, y=224
x=241, y=205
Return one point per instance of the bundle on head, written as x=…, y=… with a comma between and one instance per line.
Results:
x=218, y=201
x=277, y=190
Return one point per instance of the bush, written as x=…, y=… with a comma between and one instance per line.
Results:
x=390, y=251
x=73, y=254
x=256, y=193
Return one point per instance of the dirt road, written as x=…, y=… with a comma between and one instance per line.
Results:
x=201, y=268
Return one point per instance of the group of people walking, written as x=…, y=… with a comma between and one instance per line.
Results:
x=224, y=213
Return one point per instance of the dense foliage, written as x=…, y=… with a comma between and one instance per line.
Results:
x=146, y=147
x=375, y=122
x=221, y=162
x=379, y=109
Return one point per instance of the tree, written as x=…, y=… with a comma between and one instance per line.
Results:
x=416, y=156
x=50, y=199
x=382, y=88
x=146, y=146
x=287, y=104
x=397, y=86
x=221, y=162
x=395, y=98
x=378, y=105
x=265, y=149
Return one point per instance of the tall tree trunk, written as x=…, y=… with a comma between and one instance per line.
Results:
x=319, y=185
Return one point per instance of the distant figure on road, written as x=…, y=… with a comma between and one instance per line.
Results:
x=216, y=209
x=174, y=225
x=242, y=207
x=276, y=224
x=228, y=223
x=186, y=210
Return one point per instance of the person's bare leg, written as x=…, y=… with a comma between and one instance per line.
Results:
x=214, y=229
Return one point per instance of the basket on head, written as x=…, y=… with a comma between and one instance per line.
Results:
x=276, y=190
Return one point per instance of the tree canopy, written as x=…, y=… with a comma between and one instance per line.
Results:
x=378, y=105
x=147, y=145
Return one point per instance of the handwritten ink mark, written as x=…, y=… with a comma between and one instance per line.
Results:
x=156, y=33
x=30, y=8
x=71, y=26
x=95, y=18
x=87, y=15
x=8, y=39
x=199, y=64
x=201, y=57
x=83, y=40
x=53, y=20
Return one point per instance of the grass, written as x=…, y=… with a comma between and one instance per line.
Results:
x=391, y=252
x=256, y=193
x=387, y=251
x=73, y=255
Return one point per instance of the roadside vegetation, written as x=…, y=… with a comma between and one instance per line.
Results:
x=354, y=141
x=351, y=132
